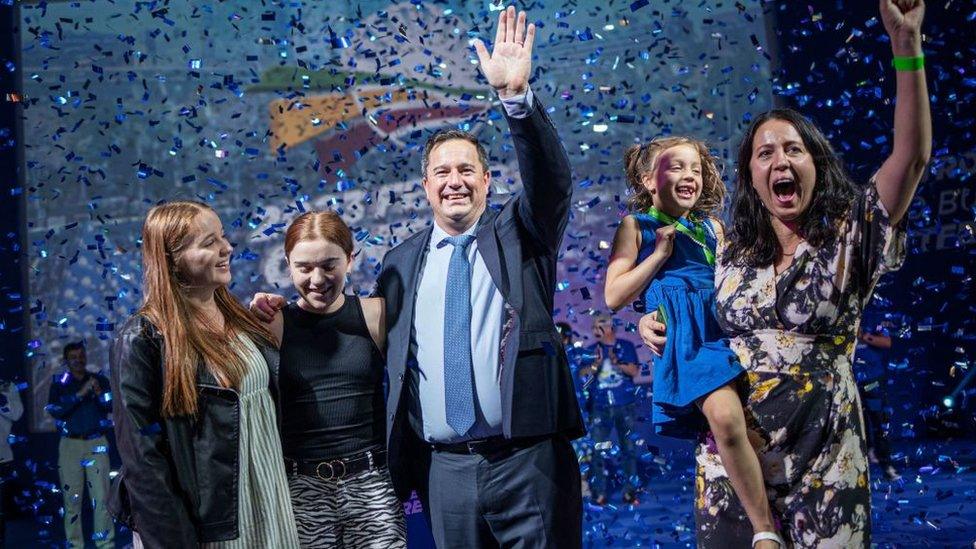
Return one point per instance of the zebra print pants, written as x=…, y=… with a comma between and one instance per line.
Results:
x=353, y=513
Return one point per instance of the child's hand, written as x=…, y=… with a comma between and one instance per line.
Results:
x=664, y=240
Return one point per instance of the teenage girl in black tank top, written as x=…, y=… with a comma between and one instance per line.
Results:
x=332, y=380
x=333, y=403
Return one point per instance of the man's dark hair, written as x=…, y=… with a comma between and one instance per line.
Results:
x=77, y=345
x=447, y=135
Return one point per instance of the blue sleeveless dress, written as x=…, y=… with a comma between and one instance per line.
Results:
x=696, y=358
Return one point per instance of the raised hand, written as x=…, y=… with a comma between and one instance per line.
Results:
x=911, y=149
x=903, y=21
x=509, y=64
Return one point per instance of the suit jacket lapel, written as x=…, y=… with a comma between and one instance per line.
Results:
x=488, y=248
x=416, y=257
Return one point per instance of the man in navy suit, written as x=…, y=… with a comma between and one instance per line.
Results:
x=482, y=406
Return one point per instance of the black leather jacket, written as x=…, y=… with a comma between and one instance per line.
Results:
x=178, y=485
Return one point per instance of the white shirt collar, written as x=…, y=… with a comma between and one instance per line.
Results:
x=438, y=234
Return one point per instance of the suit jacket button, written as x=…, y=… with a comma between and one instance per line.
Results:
x=400, y=376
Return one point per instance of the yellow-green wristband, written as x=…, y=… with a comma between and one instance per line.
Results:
x=908, y=63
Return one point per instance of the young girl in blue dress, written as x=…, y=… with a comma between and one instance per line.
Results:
x=665, y=250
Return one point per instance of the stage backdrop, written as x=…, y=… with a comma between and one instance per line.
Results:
x=266, y=111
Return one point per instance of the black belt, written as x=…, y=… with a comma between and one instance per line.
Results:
x=337, y=469
x=490, y=445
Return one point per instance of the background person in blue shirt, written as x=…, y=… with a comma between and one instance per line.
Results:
x=871, y=375
x=612, y=406
x=80, y=402
x=579, y=356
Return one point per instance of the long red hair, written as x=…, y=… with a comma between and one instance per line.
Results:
x=188, y=336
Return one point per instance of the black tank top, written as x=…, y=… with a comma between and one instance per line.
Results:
x=331, y=377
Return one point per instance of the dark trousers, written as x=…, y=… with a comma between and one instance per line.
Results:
x=517, y=498
x=873, y=403
x=603, y=421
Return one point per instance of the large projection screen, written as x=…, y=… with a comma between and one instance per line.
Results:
x=268, y=109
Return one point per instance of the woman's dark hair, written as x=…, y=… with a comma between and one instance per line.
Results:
x=751, y=239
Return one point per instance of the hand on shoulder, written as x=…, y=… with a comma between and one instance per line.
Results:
x=374, y=311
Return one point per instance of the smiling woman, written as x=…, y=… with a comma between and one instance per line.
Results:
x=332, y=365
x=801, y=261
x=204, y=264
x=789, y=177
x=318, y=249
x=194, y=377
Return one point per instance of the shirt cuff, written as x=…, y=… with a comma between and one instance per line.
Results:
x=519, y=106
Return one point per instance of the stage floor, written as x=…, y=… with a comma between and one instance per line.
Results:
x=933, y=505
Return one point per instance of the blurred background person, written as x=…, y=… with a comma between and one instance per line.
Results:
x=577, y=357
x=11, y=408
x=80, y=402
x=612, y=405
x=871, y=359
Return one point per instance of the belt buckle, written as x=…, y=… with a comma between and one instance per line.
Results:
x=343, y=463
x=318, y=471
x=332, y=469
x=333, y=466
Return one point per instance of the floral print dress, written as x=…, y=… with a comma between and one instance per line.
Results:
x=795, y=334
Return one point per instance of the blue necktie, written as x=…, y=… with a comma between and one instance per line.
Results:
x=458, y=386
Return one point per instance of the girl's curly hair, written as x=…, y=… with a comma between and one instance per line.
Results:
x=640, y=160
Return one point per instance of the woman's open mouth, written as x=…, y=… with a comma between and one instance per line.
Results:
x=784, y=190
